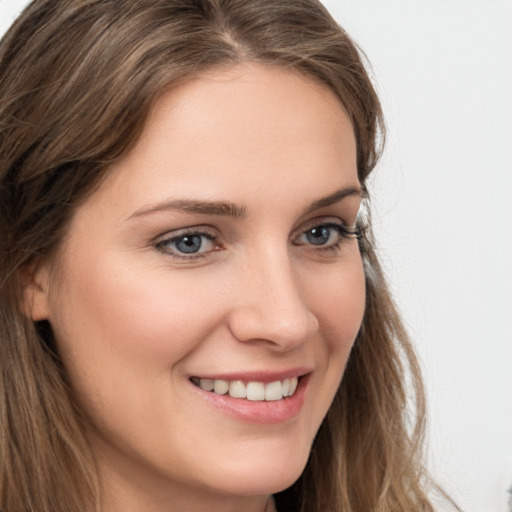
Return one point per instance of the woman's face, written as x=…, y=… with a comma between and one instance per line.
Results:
x=219, y=249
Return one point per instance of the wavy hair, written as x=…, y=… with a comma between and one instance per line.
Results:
x=77, y=81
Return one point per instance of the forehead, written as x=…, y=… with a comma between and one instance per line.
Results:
x=284, y=99
x=249, y=126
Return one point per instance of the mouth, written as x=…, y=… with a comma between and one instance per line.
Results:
x=254, y=391
x=256, y=397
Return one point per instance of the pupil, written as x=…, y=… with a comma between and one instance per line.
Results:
x=318, y=236
x=189, y=244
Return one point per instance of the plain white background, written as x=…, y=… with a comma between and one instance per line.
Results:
x=443, y=213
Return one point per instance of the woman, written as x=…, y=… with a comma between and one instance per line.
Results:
x=187, y=272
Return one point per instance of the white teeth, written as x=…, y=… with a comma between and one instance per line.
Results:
x=237, y=389
x=253, y=391
x=220, y=386
x=285, y=387
x=293, y=385
x=206, y=384
x=273, y=391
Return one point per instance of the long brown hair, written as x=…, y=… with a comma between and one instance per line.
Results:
x=77, y=81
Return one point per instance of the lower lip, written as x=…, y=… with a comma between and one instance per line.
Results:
x=264, y=412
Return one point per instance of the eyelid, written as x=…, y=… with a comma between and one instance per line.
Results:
x=171, y=236
x=344, y=234
x=201, y=229
x=320, y=221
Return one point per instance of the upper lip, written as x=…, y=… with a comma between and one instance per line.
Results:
x=257, y=375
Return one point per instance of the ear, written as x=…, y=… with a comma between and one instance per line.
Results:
x=35, y=282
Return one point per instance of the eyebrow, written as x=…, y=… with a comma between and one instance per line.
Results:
x=222, y=208
x=229, y=209
x=334, y=198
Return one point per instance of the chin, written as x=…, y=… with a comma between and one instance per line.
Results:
x=261, y=475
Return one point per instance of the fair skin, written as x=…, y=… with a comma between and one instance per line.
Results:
x=257, y=166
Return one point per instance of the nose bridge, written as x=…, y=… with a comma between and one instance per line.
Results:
x=271, y=305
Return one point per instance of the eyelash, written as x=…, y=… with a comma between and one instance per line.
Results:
x=345, y=233
x=163, y=245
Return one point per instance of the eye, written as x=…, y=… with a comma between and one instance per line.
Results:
x=188, y=244
x=327, y=235
x=320, y=235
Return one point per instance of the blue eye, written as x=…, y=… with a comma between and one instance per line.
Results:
x=328, y=235
x=319, y=235
x=188, y=244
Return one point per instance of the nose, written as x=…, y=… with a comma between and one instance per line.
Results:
x=271, y=305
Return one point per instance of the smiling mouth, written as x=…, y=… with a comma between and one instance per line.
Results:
x=254, y=391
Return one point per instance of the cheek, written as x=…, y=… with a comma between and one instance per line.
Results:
x=121, y=333
x=340, y=307
x=134, y=314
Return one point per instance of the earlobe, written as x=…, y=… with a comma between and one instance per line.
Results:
x=35, y=293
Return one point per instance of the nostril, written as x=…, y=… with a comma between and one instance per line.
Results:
x=279, y=327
